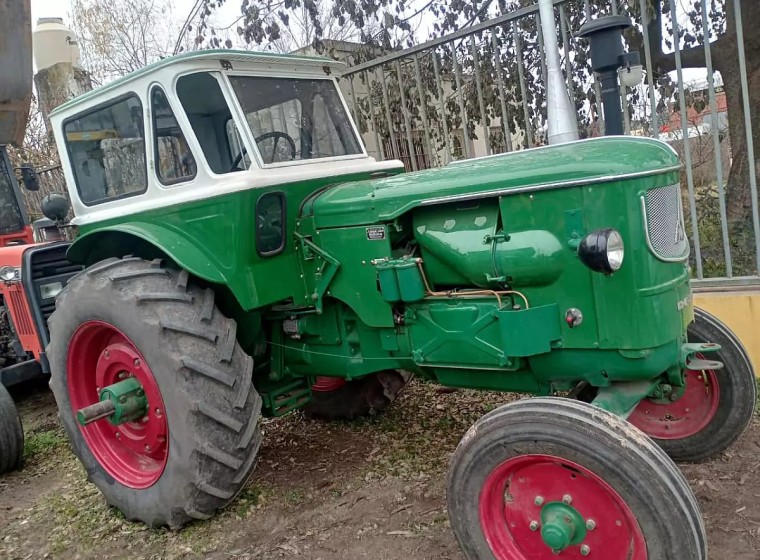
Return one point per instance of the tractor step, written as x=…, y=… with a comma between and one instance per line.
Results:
x=286, y=397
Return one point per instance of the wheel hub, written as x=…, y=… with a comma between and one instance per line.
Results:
x=109, y=378
x=539, y=507
x=561, y=526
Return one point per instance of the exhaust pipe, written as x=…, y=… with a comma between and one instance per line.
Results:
x=563, y=126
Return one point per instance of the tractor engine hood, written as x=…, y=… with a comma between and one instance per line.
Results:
x=596, y=160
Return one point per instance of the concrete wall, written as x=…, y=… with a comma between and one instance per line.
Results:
x=740, y=310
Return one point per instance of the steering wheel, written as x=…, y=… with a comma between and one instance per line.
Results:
x=276, y=134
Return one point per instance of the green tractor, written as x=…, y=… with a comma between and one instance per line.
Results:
x=245, y=257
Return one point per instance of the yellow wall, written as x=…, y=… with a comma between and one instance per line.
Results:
x=741, y=312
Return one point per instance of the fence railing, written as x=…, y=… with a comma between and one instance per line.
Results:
x=481, y=90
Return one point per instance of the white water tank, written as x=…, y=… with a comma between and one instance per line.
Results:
x=53, y=43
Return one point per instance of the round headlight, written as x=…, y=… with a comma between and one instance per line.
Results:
x=602, y=250
x=7, y=273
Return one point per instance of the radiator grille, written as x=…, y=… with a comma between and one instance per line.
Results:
x=663, y=211
x=22, y=322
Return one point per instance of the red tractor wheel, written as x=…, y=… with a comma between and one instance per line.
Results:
x=11, y=434
x=709, y=414
x=549, y=478
x=154, y=391
x=334, y=398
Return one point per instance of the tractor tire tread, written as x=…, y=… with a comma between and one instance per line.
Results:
x=11, y=434
x=215, y=446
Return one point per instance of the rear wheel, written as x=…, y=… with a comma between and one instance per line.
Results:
x=334, y=398
x=193, y=442
x=547, y=478
x=11, y=434
x=709, y=414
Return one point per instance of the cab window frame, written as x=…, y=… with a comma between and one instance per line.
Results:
x=154, y=140
x=94, y=109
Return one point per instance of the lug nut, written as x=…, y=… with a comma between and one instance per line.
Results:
x=158, y=412
x=538, y=501
x=137, y=363
x=590, y=524
x=118, y=435
x=145, y=419
x=147, y=448
x=567, y=499
x=585, y=550
x=534, y=525
x=106, y=354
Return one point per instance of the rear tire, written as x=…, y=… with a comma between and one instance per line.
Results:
x=529, y=456
x=353, y=399
x=11, y=434
x=716, y=407
x=198, y=371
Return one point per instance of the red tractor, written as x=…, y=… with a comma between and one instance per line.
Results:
x=31, y=274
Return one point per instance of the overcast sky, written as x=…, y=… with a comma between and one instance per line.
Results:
x=62, y=8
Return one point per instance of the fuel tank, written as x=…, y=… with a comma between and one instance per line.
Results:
x=15, y=69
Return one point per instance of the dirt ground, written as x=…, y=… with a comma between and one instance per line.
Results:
x=342, y=491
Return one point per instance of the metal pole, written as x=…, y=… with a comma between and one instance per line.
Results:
x=460, y=95
x=564, y=29
x=405, y=113
x=389, y=120
x=502, y=97
x=423, y=106
x=373, y=117
x=521, y=72
x=597, y=85
x=479, y=87
x=716, y=144
x=748, y=130
x=686, y=146
x=444, y=120
x=562, y=123
x=650, y=72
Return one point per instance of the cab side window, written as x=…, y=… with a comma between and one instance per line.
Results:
x=107, y=150
x=174, y=160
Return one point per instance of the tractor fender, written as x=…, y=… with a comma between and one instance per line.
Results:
x=148, y=240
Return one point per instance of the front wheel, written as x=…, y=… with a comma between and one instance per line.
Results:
x=714, y=408
x=183, y=433
x=11, y=434
x=547, y=478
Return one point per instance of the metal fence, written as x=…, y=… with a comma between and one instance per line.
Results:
x=481, y=90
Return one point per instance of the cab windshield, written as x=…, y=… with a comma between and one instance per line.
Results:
x=295, y=119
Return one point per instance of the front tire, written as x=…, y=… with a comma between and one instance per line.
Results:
x=11, y=434
x=544, y=477
x=333, y=398
x=195, y=447
x=715, y=407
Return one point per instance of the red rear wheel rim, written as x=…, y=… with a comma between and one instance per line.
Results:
x=133, y=453
x=515, y=491
x=691, y=413
x=324, y=384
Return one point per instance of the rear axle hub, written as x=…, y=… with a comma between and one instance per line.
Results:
x=121, y=402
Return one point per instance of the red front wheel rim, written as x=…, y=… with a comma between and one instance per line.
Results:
x=133, y=453
x=686, y=416
x=515, y=492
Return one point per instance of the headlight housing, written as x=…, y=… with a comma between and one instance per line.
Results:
x=50, y=290
x=10, y=273
x=602, y=250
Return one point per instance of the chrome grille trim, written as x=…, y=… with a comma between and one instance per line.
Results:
x=662, y=210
